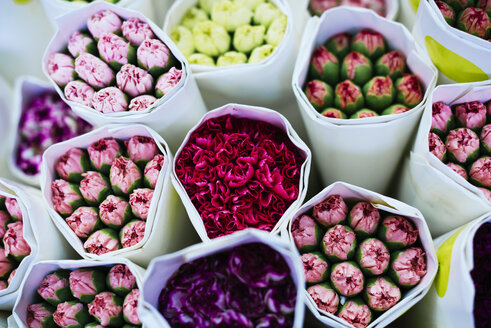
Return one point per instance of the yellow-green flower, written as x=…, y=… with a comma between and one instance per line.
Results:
x=231, y=15
x=266, y=13
x=231, y=58
x=200, y=59
x=261, y=53
x=193, y=16
x=276, y=31
x=211, y=38
x=248, y=37
x=183, y=38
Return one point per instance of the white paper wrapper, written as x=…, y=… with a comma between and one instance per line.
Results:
x=6, y=99
x=166, y=230
x=390, y=205
x=407, y=14
x=56, y=8
x=459, y=56
x=255, y=113
x=365, y=151
x=28, y=291
x=445, y=198
x=450, y=301
x=39, y=232
x=171, y=115
x=162, y=268
x=161, y=7
x=259, y=84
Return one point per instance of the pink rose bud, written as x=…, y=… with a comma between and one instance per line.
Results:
x=382, y=293
x=40, y=315
x=369, y=43
x=486, y=193
x=408, y=267
x=306, y=233
x=115, y=51
x=79, y=43
x=124, y=176
x=154, y=56
x=339, y=45
x=93, y=70
x=141, y=149
x=72, y=164
x=462, y=145
x=120, y=279
x=102, y=242
x=339, y=243
x=71, y=314
x=104, y=21
x=356, y=312
x=373, y=257
x=140, y=201
x=480, y=172
x=132, y=233
x=474, y=21
x=317, y=7
x=4, y=221
x=152, y=171
x=54, y=288
x=110, y=100
x=60, y=68
x=107, y=308
x=65, y=197
x=458, y=169
x=134, y=80
x=392, y=64
x=330, y=212
x=13, y=208
x=85, y=283
x=441, y=118
x=324, y=297
x=447, y=12
x=324, y=66
x=14, y=242
x=471, y=115
x=83, y=221
x=79, y=92
x=114, y=211
x=363, y=218
x=436, y=146
x=103, y=152
x=141, y=103
x=94, y=187
x=3, y=285
x=347, y=278
x=11, y=276
x=486, y=139
x=319, y=94
x=130, y=306
x=409, y=90
x=167, y=82
x=397, y=232
x=5, y=265
x=315, y=267
x=136, y=31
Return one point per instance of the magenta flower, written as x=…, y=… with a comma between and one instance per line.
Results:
x=79, y=92
x=134, y=80
x=104, y=21
x=60, y=68
x=239, y=173
x=110, y=100
x=136, y=31
x=93, y=70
